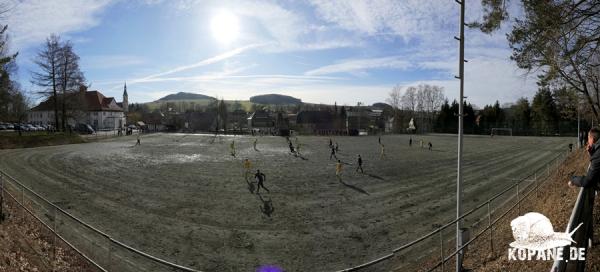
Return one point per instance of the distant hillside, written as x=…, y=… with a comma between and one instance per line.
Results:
x=383, y=106
x=185, y=96
x=275, y=99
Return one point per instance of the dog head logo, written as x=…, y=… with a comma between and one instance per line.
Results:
x=535, y=232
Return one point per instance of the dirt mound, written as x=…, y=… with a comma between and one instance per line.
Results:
x=26, y=245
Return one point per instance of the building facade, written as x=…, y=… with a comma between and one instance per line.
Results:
x=84, y=107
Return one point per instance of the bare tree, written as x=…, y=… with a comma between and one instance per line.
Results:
x=394, y=97
x=71, y=79
x=409, y=99
x=48, y=60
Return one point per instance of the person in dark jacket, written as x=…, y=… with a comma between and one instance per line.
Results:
x=593, y=175
x=260, y=179
x=360, y=163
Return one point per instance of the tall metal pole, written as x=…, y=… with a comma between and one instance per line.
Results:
x=461, y=71
x=578, y=125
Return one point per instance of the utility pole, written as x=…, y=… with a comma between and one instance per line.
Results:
x=359, y=116
x=459, y=177
x=578, y=124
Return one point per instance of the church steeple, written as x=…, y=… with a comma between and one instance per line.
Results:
x=125, y=99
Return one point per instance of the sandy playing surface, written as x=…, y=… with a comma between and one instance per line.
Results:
x=184, y=198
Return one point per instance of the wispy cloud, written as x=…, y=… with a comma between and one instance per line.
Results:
x=205, y=62
x=283, y=28
x=110, y=61
x=359, y=66
x=407, y=19
x=256, y=80
x=30, y=22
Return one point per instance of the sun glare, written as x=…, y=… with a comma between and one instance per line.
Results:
x=224, y=27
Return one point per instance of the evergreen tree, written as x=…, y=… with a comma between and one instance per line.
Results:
x=544, y=114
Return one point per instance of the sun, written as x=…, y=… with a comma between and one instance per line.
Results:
x=224, y=26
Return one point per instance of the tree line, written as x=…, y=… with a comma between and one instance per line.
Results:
x=13, y=101
x=551, y=111
x=560, y=41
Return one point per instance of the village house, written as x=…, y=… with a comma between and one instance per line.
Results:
x=261, y=120
x=85, y=107
x=314, y=122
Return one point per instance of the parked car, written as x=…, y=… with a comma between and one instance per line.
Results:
x=10, y=126
x=2, y=127
x=84, y=129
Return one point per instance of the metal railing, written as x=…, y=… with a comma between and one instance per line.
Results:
x=523, y=188
x=581, y=214
x=105, y=253
x=98, y=249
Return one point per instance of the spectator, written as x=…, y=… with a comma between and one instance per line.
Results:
x=593, y=174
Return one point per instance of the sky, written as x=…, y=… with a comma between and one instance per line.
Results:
x=321, y=51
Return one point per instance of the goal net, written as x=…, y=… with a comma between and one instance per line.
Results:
x=502, y=131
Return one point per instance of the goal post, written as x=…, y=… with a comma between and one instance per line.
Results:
x=504, y=130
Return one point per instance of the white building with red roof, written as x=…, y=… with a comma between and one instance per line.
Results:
x=85, y=107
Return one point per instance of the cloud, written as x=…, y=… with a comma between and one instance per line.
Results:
x=208, y=61
x=360, y=66
x=30, y=22
x=110, y=61
x=283, y=28
x=407, y=19
x=265, y=80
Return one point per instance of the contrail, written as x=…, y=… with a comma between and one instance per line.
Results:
x=201, y=63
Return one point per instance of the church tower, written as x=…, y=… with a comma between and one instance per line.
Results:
x=125, y=99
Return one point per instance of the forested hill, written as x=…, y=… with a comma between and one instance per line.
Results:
x=186, y=96
x=275, y=99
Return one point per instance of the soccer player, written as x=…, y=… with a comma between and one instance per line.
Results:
x=360, y=162
x=410, y=141
x=232, y=148
x=138, y=140
x=297, y=146
x=570, y=147
x=298, y=149
x=247, y=166
x=292, y=148
x=382, y=155
x=430, y=146
x=260, y=178
x=422, y=143
x=330, y=142
x=255, y=142
x=338, y=170
x=332, y=153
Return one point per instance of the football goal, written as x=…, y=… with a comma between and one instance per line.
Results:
x=502, y=131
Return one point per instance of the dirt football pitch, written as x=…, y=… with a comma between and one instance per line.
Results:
x=184, y=197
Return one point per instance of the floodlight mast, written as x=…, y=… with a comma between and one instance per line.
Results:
x=459, y=177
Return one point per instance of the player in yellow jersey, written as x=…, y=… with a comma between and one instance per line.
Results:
x=247, y=166
x=338, y=170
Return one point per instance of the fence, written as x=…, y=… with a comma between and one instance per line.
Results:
x=103, y=253
x=105, y=134
x=581, y=214
x=485, y=216
x=97, y=250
